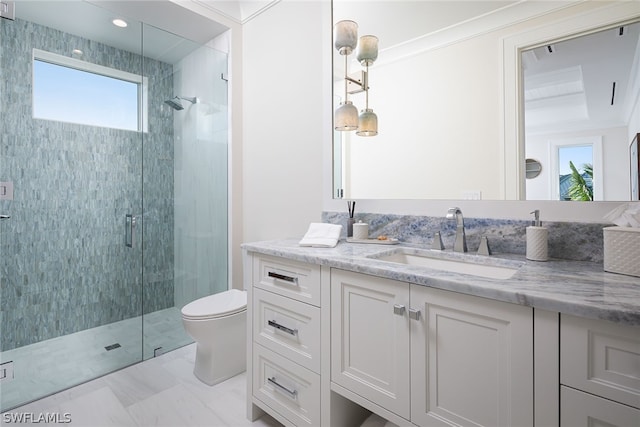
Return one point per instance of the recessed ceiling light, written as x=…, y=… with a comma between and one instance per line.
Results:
x=119, y=22
x=77, y=53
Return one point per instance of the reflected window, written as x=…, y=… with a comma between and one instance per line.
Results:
x=74, y=91
x=575, y=164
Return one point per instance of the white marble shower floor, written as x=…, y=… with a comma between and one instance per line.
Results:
x=47, y=367
x=158, y=392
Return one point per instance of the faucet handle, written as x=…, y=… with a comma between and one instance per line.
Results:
x=452, y=212
x=484, y=248
x=437, y=242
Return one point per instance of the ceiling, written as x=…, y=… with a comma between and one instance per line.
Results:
x=408, y=20
x=571, y=83
x=182, y=29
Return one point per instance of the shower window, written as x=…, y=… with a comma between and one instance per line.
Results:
x=70, y=90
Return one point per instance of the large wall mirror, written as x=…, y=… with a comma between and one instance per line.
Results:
x=451, y=126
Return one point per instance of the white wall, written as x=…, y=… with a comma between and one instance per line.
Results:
x=436, y=96
x=284, y=118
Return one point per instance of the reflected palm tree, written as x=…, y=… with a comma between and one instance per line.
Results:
x=581, y=187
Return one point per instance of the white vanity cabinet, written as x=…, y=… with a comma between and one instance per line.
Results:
x=432, y=357
x=285, y=348
x=328, y=346
x=599, y=373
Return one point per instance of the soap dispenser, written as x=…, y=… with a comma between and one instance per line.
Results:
x=537, y=239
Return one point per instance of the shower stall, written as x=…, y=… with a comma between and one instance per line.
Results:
x=113, y=192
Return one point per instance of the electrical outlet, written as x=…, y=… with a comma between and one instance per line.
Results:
x=472, y=195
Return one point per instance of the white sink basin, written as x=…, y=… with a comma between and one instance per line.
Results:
x=455, y=263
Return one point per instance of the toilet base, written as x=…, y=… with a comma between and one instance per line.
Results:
x=225, y=356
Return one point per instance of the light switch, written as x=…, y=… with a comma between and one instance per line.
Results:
x=6, y=190
x=7, y=9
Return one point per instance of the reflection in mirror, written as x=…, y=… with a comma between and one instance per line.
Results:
x=533, y=168
x=579, y=96
x=438, y=90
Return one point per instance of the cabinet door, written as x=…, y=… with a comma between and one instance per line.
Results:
x=582, y=409
x=471, y=361
x=370, y=338
x=601, y=357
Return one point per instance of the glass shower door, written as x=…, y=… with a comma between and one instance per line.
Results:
x=185, y=185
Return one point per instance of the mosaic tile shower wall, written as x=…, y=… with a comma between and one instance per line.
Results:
x=65, y=267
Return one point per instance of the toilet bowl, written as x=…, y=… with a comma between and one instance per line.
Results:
x=217, y=323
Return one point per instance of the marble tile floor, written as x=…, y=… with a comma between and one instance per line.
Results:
x=158, y=392
x=52, y=365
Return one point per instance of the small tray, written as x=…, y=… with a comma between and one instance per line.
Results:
x=389, y=241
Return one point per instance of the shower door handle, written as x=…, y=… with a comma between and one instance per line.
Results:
x=129, y=230
x=5, y=216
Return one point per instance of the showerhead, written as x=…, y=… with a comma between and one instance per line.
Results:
x=176, y=104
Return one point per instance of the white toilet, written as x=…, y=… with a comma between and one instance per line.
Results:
x=217, y=323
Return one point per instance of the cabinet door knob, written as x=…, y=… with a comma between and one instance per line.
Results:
x=414, y=314
x=398, y=309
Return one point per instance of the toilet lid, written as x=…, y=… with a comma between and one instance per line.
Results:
x=217, y=305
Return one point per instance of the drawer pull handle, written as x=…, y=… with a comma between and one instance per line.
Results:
x=290, y=331
x=414, y=314
x=283, y=277
x=398, y=309
x=292, y=393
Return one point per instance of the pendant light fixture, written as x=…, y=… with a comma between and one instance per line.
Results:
x=367, y=53
x=345, y=35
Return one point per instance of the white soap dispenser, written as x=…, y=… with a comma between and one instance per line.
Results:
x=537, y=240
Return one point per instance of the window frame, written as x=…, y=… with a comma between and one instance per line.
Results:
x=595, y=141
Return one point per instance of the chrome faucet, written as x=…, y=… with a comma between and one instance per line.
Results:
x=460, y=244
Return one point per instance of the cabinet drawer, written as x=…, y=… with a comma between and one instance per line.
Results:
x=286, y=387
x=584, y=409
x=602, y=358
x=288, y=327
x=292, y=279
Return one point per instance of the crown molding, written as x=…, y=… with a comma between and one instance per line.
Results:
x=238, y=11
x=495, y=20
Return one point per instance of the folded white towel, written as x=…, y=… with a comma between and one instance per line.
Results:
x=321, y=235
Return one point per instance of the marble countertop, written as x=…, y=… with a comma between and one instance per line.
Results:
x=572, y=287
